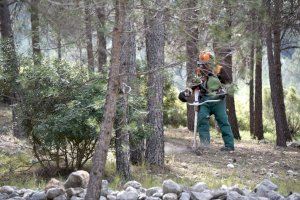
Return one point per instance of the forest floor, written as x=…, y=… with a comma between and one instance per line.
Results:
x=252, y=162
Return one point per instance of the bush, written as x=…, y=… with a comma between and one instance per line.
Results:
x=61, y=112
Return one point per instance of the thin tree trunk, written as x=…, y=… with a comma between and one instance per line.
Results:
x=88, y=34
x=99, y=158
x=59, y=54
x=35, y=32
x=258, y=128
x=251, y=92
x=154, y=22
x=122, y=133
x=11, y=65
x=101, y=40
x=273, y=52
x=191, y=52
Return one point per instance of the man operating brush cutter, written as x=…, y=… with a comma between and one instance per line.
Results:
x=209, y=96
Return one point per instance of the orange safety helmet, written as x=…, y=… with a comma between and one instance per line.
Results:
x=205, y=56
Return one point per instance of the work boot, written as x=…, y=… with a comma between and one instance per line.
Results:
x=227, y=149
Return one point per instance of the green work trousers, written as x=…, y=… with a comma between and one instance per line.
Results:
x=219, y=110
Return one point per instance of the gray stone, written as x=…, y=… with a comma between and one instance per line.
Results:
x=143, y=190
x=53, y=183
x=262, y=191
x=133, y=184
x=238, y=190
x=82, y=194
x=104, y=188
x=219, y=194
x=54, y=192
x=111, y=197
x=170, y=196
x=79, y=178
x=3, y=196
x=127, y=195
x=273, y=195
x=102, y=198
x=185, y=196
x=199, y=187
x=153, y=198
x=38, y=196
x=131, y=189
x=74, y=191
x=170, y=186
x=7, y=189
x=233, y=195
x=153, y=190
x=158, y=194
x=76, y=198
x=268, y=184
x=142, y=196
x=205, y=195
x=61, y=197
x=294, y=196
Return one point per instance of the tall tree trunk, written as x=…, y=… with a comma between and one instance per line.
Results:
x=191, y=51
x=122, y=133
x=154, y=22
x=258, y=127
x=88, y=34
x=101, y=40
x=99, y=158
x=11, y=65
x=59, y=54
x=35, y=32
x=273, y=52
x=251, y=92
x=225, y=54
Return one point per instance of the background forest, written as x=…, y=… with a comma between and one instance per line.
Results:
x=76, y=71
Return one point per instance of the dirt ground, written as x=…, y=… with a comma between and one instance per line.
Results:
x=252, y=162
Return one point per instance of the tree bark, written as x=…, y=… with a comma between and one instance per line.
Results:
x=258, y=127
x=99, y=157
x=59, y=53
x=101, y=39
x=191, y=52
x=122, y=133
x=273, y=52
x=251, y=92
x=154, y=26
x=88, y=34
x=11, y=65
x=35, y=32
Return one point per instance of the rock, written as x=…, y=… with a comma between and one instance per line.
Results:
x=153, y=198
x=74, y=191
x=158, y=194
x=219, y=194
x=153, y=190
x=233, y=195
x=38, y=196
x=133, y=184
x=111, y=197
x=268, y=184
x=142, y=196
x=230, y=166
x=170, y=186
x=294, y=196
x=262, y=191
x=79, y=178
x=102, y=198
x=104, y=188
x=291, y=173
x=205, y=195
x=54, y=192
x=82, y=194
x=185, y=196
x=170, y=196
x=53, y=183
x=272, y=195
x=199, y=187
x=238, y=190
x=76, y=198
x=131, y=189
x=127, y=195
x=61, y=197
x=7, y=189
x=294, y=144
